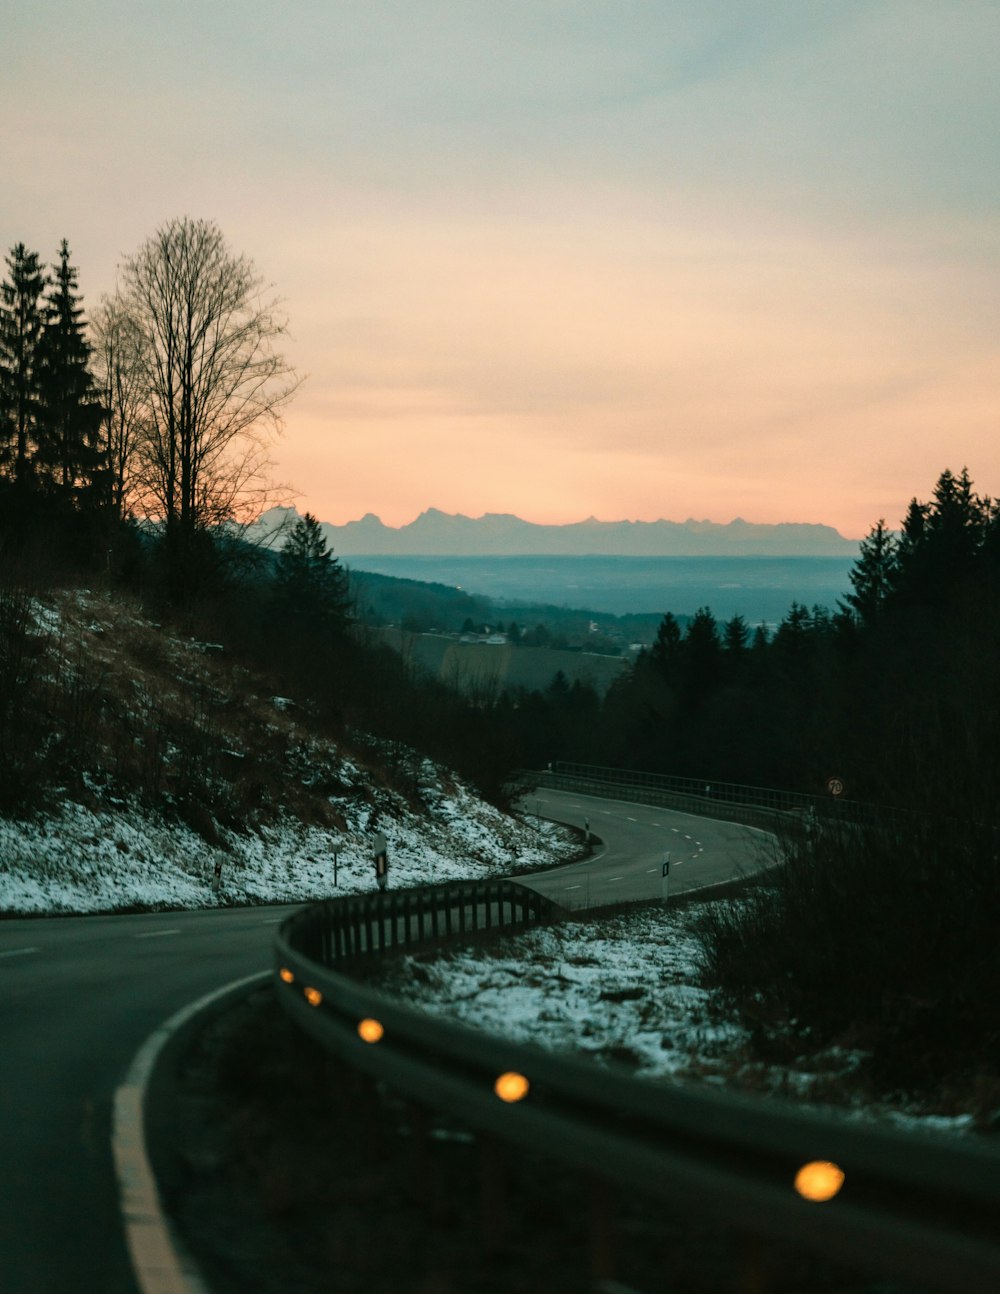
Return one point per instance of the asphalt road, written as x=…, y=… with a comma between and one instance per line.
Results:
x=636, y=840
x=79, y=996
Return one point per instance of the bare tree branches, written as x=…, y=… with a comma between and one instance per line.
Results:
x=210, y=384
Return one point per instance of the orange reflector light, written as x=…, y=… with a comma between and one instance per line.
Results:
x=287, y=975
x=511, y=1086
x=370, y=1030
x=313, y=996
x=819, y=1180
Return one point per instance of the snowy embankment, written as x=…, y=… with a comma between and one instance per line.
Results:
x=630, y=989
x=80, y=860
x=191, y=785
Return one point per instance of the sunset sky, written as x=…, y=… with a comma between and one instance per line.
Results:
x=630, y=259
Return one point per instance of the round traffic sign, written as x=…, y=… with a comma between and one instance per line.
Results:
x=835, y=786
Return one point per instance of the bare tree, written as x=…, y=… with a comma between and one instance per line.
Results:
x=212, y=384
x=119, y=365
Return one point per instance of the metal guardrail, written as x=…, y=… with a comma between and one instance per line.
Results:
x=706, y=800
x=911, y=1204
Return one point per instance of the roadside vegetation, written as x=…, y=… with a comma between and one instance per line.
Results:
x=878, y=942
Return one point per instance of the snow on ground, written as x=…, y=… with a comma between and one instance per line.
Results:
x=628, y=989
x=81, y=859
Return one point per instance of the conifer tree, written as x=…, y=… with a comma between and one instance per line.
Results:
x=665, y=652
x=701, y=657
x=311, y=587
x=21, y=323
x=69, y=409
x=874, y=575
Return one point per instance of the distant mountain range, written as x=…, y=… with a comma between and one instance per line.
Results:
x=436, y=533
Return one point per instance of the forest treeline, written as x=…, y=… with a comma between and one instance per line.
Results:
x=132, y=444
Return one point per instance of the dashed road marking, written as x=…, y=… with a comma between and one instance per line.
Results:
x=156, y=934
x=572, y=887
x=615, y=878
x=632, y=819
x=18, y=952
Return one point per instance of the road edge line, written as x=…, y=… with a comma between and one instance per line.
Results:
x=160, y=1262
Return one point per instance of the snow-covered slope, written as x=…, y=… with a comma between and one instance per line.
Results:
x=273, y=805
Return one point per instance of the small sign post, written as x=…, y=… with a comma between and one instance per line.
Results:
x=586, y=831
x=217, y=878
x=381, y=861
x=665, y=878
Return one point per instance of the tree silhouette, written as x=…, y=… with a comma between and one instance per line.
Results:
x=21, y=322
x=70, y=412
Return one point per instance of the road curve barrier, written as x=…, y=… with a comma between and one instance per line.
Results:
x=912, y=1204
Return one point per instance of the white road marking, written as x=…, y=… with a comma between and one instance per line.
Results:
x=675, y=830
x=687, y=837
x=272, y=921
x=18, y=952
x=155, y=934
x=615, y=878
x=160, y=1263
x=632, y=819
x=572, y=887
x=651, y=869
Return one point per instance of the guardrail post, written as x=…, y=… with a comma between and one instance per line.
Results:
x=754, y=1272
x=601, y=1228
x=424, y=1183
x=491, y=1194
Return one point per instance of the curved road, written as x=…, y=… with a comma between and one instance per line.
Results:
x=636, y=839
x=80, y=995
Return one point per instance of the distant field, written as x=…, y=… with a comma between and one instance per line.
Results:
x=758, y=588
x=483, y=667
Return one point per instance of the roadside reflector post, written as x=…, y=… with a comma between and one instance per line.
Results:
x=819, y=1180
x=335, y=867
x=586, y=831
x=217, y=877
x=665, y=879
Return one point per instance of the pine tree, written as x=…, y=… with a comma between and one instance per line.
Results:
x=311, y=586
x=21, y=323
x=701, y=658
x=664, y=655
x=874, y=575
x=70, y=412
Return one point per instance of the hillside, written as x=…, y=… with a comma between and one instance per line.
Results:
x=140, y=763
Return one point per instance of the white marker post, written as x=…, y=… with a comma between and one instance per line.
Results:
x=381, y=860
x=586, y=831
x=665, y=879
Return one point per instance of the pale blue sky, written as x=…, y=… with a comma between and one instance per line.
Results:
x=624, y=258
